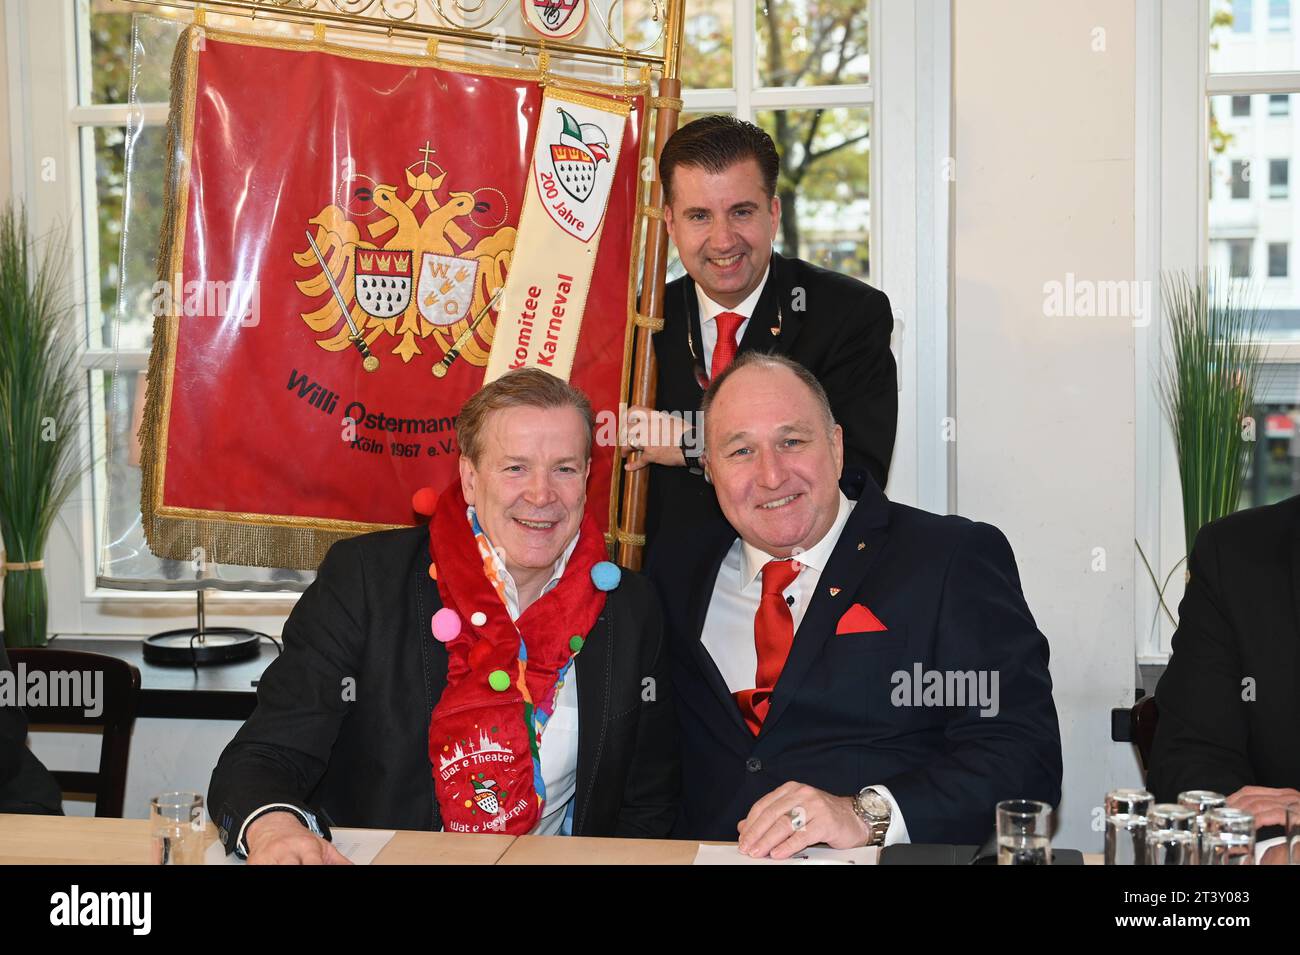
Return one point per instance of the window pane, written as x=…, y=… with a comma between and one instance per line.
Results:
x=1279, y=16
x=1241, y=15
x=1248, y=218
x=1240, y=179
x=1278, y=176
x=1239, y=258
x=706, y=45
x=824, y=188
x=105, y=146
x=1241, y=106
x=1273, y=470
x=1277, y=260
x=106, y=64
x=1279, y=104
x=812, y=42
x=1241, y=43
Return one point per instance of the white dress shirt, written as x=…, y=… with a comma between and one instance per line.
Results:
x=709, y=310
x=729, y=624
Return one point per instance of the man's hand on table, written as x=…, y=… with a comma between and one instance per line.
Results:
x=279, y=838
x=1268, y=806
x=653, y=437
x=794, y=816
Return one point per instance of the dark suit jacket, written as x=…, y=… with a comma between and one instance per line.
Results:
x=26, y=786
x=1239, y=619
x=948, y=591
x=835, y=326
x=365, y=759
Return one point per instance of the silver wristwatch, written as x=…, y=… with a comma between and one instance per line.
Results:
x=875, y=812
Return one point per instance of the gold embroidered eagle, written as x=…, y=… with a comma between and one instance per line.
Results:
x=410, y=278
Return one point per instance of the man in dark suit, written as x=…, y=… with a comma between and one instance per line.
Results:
x=847, y=670
x=348, y=716
x=1229, y=701
x=722, y=212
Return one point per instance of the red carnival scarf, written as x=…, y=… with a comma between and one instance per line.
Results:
x=483, y=741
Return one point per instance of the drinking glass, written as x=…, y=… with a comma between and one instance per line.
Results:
x=1171, y=835
x=1230, y=837
x=176, y=828
x=1024, y=832
x=1203, y=801
x=1126, y=826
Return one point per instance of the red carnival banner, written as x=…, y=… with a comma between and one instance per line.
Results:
x=336, y=254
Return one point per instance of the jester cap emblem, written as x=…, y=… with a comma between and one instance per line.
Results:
x=581, y=149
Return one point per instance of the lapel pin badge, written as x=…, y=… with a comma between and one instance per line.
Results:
x=835, y=591
x=861, y=545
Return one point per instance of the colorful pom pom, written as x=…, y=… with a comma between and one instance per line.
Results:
x=606, y=575
x=499, y=680
x=478, y=618
x=446, y=625
x=424, y=501
x=576, y=642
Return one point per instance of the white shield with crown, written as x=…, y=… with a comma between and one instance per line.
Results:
x=445, y=290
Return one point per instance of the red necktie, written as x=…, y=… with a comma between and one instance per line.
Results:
x=725, y=350
x=773, y=637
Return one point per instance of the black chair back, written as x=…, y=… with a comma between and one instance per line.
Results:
x=118, y=701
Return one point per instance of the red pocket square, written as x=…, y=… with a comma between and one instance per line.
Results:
x=858, y=619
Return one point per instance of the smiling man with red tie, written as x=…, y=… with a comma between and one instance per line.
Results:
x=723, y=214
x=848, y=670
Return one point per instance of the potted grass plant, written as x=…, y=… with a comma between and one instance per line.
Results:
x=40, y=398
x=1207, y=389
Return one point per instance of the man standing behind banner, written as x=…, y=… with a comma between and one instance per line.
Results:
x=722, y=212
x=539, y=703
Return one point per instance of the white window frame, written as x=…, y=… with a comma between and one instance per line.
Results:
x=1172, y=233
x=911, y=132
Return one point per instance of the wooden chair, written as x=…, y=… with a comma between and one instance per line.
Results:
x=1142, y=723
x=120, y=696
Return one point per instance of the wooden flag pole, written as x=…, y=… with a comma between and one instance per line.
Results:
x=631, y=533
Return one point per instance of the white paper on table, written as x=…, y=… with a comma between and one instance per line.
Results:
x=813, y=855
x=360, y=846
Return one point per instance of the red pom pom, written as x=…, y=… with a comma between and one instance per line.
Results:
x=424, y=501
x=479, y=654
